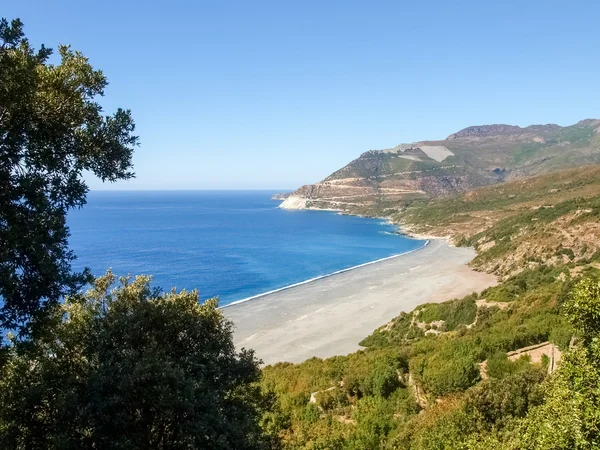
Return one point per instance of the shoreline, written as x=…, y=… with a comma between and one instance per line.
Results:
x=320, y=277
x=403, y=229
x=331, y=315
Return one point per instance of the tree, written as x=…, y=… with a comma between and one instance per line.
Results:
x=51, y=130
x=132, y=369
x=583, y=310
x=569, y=417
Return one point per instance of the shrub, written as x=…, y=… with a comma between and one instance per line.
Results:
x=331, y=399
x=499, y=366
x=448, y=371
x=453, y=313
x=128, y=368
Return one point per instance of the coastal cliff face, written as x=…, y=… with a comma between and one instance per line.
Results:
x=473, y=157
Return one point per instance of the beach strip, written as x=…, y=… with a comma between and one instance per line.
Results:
x=311, y=280
x=330, y=315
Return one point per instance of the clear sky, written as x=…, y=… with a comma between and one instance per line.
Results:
x=260, y=95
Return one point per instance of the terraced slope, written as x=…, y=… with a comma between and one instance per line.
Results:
x=473, y=157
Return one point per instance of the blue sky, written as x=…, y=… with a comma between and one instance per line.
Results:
x=273, y=95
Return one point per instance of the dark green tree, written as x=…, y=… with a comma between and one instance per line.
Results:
x=569, y=417
x=52, y=129
x=131, y=369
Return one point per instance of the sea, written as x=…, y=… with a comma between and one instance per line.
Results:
x=232, y=244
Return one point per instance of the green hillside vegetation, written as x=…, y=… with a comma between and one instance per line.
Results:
x=532, y=150
x=374, y=165
x=452, y=314
x=503, y=200
x=413, y=388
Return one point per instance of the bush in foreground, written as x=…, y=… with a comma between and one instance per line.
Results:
x=129, y=369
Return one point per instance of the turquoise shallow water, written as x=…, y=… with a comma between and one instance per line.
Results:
x=231, y=244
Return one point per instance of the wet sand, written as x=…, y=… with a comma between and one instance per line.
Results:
x=331, y=315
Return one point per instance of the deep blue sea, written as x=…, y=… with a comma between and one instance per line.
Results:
x=231, y=244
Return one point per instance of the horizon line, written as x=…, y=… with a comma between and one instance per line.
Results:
x=189, y=190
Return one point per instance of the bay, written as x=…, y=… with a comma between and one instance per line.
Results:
x=231, y=244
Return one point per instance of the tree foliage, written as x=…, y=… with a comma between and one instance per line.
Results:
x=52, y=129
x=130, y=369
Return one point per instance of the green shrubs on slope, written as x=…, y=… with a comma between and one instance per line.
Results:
x=499, y=366
x=550, y=219
x=448, y=369
x=492, y=405
x=519, y=406
x=356, y=397
x=569, y=415
x=453, y=313
x=371, y=399
x=536, y=234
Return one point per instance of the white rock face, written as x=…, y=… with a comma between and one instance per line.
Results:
x=437, y=152
x=294, y=202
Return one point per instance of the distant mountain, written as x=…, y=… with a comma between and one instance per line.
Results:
x=472, y=157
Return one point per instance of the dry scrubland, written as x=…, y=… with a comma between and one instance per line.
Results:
x=547, y=219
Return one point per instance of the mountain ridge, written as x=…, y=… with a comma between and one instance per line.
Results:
x=472, y=157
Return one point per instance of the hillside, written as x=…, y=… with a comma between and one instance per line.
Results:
x=548, y=219
x=473, y=157
x=513, y=367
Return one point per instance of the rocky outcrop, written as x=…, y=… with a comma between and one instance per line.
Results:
x=486, y=131
x=294, y=202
